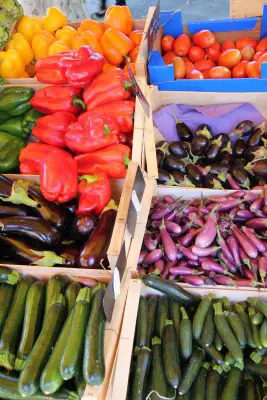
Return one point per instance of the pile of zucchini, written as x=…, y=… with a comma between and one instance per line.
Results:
x=191, y=348
x=51, y=335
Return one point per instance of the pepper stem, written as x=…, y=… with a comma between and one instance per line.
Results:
x=78, y=102
x=126, y=85
x=89, y=178
x=126, y=160
x=106, y=130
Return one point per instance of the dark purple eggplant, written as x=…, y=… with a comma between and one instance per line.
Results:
x=203, y=127
x=183, y=131
x=226, y=157
x=71, y=206
x=12, y=209
x=240, y=176
x=161, y=152
x=83, y=225
x=69, y=253
x=194, y=174
x=200, y=145
x=160, y=158
x=172, y=163
x=259, y=168
x=32, y=228
x=239, y=148
x=208, y=181
x=256, y=138
x=248, y=154
x=164, y=177
x=214, y=149
x=95, y=249
x=218, y=168
x=245, y=128
x=177, y=150
x=178, y=176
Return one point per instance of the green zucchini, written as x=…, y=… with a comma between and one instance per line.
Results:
x=246, y=324
x=263, y=333
x=258, y=318
x=33, y=318
x=226, y=304
x=93, y=359
x=191, y=370
x=249, y=392
x=200, y=315
x=170, y=289
x=208, y=332
x=11, y=331
x=80, y=383
x=218, y=343
x=199, y=386
x=231, y=386
x=258, y=355
x=51, y=379
x=9, y=276
x=226, y=334
x=212, y=352
x=255, y=369
x=152, y=308
x=140, y=374
x=175, y=316
x=171, y=362
x=30, y=376
x=229, y=359
x=142, y=328
x=72, y=355
x=261, y=305
x=54, y=286
x=157, y=377
x=71, y=294
x=185, y=336
x=162, y=314
x=213, y=384
x=6, y=297
x=186, y=396
x=237, y=327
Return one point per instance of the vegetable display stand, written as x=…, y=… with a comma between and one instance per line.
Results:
x=126, y=343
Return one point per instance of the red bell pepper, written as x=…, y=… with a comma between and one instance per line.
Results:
x=91, y=133
x=77, y=69
x=94, y=193
x=58, y=176
x=122, y=111
x=110, y=86
x=51, y=129
x=113, y=170
x=51, y=99
x=32, y=156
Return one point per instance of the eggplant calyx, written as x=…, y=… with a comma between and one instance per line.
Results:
x=246, y=184
x=222, y=176
x=204, y=132
x=194, y=158
x=111, y=206
x=171, y=182
x=261, y=127
x=19, y=194
x=260, y=154
x=218, y=141
x=48, y=258
x=165, y=149
x=156, y=272
x=187, y=183
x=228, y=148
x=217, y=184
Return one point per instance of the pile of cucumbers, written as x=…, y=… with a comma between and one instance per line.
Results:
x=191, y=348
x=51, y=335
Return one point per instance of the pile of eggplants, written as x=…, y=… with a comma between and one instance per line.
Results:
x=216, y=162
x=34, y=231
x=215, y=240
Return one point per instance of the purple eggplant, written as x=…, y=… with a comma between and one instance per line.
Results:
x=195, y=280
x=183, y=271
x=83, y=225
x=234, y=248
x=208, y=265
x=231, y=267
x=168, y=244
x=161, y=212
x=265, y=195
x=204, y=252
x=239, y=148
x=142, y=256
x=262, y=264
x=254, y=238
x=177, y=150
x=149, y=242
x=232, y=183
x=186, y=252
x=153, y=256
x=208, y=233
x=257, y=223
x=256, y=204
x=223, y=280
x=194, y=174
x=245, y=214
x=193, y=263
x=194, y=218
x=258, y=168
x=245, y=243
x=167, y=268
x=183, y=131
x=172, y=163
x=171, y=216
x=159, y=265
x=228, y=205
x=245, y=128
x=224, y=247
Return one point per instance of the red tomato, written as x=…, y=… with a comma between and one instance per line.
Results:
x=167, y=43
x=206, y=74
x=204, y=39
x=188, y=66
x=253, y=69
x=263, y=58
x=196, y=54
x=213, y=52
x=258, y=55
x=179, y=68
x=220, y=72
x=194, y=74
x=182, y=45
x=262, y=46
x=247, y=53
x=246, y=42
x=229, y=58
x=239, y=70
x=185, y=58
x=168, y=57
x=204, y=65
x=227, y=45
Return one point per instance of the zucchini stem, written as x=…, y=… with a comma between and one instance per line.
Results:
x=184, y=314
x=84, y=295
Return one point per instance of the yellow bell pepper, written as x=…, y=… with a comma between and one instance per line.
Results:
x=11, y=64
x=54, y=19
x=25, y=75
x=41, y=43
x=19, y=43
x=57, y=47
x=66, y=34
x=78, y=42
x=29, y=26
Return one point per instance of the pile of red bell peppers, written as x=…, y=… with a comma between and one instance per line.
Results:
x=87, y=129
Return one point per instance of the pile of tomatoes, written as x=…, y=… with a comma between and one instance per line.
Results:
x=202, y=57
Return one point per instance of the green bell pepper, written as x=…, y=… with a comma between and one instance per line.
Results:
x=29, y=120
x=14, y=101
x=10, y=148
x=14, y=127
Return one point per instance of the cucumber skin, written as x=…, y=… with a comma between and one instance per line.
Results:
x=200, y=315
x=6, y=297
x=171, y=362
x=158, y=382
x=186, y=338
x=140, y=374
x=152, y=308
x=142, y=328
x=29, y=377
x=237, y=327
x=263, y=333
x=231, y=386
x=208, y=331
x=162, y=315
x=191, y=371
x=93, y=359
x=212, y=387
x=175, y=316
x=199, y=386
x=71, y=294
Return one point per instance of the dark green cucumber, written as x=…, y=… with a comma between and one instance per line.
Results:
x=51, y=379
x=6, y=297
x=93, y=359
x=200, y=315
x=199, y=386
x=208, y=332
x=231, y=385
x=33, y=318
x=142, y=327
x=30, y=376
x=213, y=384
x=12, y=328
x=263, y=333
x=246, y=324
x=258, y=355
x=162, y=315
x=185, y=335
x=171, y=362
x=237, y=327
x=80, y=383
x=249, y=392
x=140, y=374
x=152, y=309
x=218, y=343
x=258, y=318
x=261, y=305
x=175, y=316
x=9, y=276
x=255, y=369
x=212, y=352
x=157, y=377
x=191, y=371
x=54, y=286
x=170, y=289
x=72, y=354
x=226, y=334
x=71, y=294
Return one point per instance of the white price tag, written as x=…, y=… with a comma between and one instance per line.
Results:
x=136, y=202
x=116, y=282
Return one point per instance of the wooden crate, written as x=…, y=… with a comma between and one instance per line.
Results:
x=125, y=347
x=246, y=8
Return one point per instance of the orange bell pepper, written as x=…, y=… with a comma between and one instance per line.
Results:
x=57, y=47
x=136, y=36
x=93, y=26
x=125, y=69
x=78, y=42
x=92, y=41
x=29, y=26
x=134, y=53
x=21, y=44
x=119, y=17
x=54, y=19
x=66, y=34
x=108, y=67
x=115, y=45
x=41, y=43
